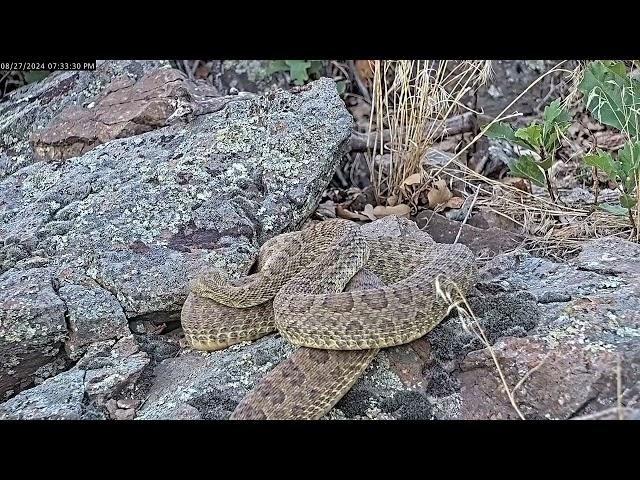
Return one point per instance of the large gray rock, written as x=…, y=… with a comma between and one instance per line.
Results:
x=121, y=229
x=586, y=341
x=33, y=107
x=32, y=328
x=103, y=379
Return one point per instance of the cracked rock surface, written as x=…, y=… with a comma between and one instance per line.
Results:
x=127, y=107
x=587, y=336
x=105, y=377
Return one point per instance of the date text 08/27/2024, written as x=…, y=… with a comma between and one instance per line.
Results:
x=27, y=66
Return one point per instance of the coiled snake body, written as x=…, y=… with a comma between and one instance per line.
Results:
x=338, y=291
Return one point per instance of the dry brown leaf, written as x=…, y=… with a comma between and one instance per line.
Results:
x=455, y=202
x=344, y=213
x=439, y=194
x=202, y=72
x=368, y=211
x=364, y=70
x=412, y=179
x=519, y=183
x=401, y=210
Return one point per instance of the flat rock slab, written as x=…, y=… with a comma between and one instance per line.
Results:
x=124, y=109
x=33, y=106
x=121, y=229
x=104, y=379
x=484, y=242
x=587, y=339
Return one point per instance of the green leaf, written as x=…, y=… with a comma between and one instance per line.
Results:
x=504, y=131
x=615, y=209
x=546, y=164
x=341, y=85
x=276, y=66
x=531, y=134
x=551, y=136
x=556, y=121
x=629, y=158
x=627, y=201
x=611, y=96
x=501, y=131
x=316, y=67
x=298, y=70
x=554, y=113
x=616, y=67
x=526, y=167
x=35, y=75
x=605, y=162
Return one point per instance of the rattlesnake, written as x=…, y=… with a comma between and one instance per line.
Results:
x=338, y=291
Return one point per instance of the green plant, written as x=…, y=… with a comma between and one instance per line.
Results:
x=623, y=170
x=612, y=96
x=543, y=139
x=300, y=71
x=35, y=75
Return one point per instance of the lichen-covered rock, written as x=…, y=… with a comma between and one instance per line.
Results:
x=101, y=385
x=94, y=315
x=207, y=192
x=124, y=109
x=122, y=228
x=58, y=398
x=587, y=337
x=201, y=385
x=32, y=328
x=33, y=106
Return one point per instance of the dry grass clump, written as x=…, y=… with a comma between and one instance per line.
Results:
x=411, y=102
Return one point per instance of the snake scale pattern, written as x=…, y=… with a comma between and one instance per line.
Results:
x=336, y=290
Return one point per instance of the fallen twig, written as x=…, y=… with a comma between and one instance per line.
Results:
x=362, y=141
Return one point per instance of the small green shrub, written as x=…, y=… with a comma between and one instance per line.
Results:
x=613, y=98
x=35, y=75
x=623, y=170
x=542, y=138
x=300, y=71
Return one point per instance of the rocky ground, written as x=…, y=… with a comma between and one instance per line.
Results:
x=117, y=186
